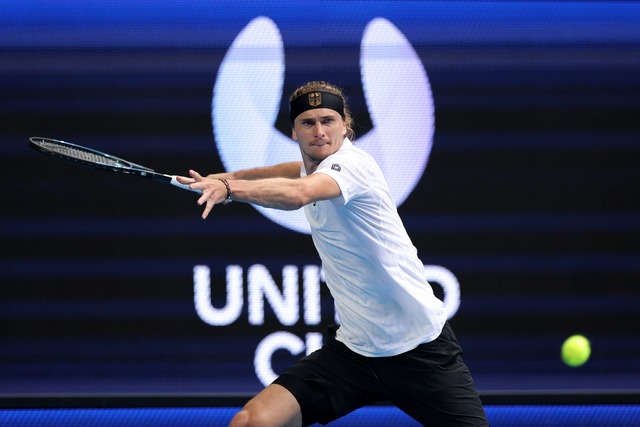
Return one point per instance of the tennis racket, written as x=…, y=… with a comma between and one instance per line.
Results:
x=98, y=160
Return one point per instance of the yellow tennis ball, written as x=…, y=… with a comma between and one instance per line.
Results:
x=576, y=350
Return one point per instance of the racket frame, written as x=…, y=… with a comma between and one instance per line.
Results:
x=119, y=165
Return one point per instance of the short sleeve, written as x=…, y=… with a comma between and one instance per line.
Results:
x=350, y=173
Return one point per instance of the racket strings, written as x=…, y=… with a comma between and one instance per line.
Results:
x=80, y=154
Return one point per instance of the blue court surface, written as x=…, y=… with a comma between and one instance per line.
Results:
x=499, y=415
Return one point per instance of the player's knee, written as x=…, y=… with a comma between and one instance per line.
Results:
x=241, y=419
x=249, y=418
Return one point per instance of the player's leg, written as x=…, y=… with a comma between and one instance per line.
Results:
x=433, y=384
x=273, y=406
x=330, y=383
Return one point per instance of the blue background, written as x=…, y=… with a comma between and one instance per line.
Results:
x=530, y=196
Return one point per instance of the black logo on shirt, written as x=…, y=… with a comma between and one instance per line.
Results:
x=336, y=167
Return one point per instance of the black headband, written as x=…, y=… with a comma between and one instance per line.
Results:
x=317, y=99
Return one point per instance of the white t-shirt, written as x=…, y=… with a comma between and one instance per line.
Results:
x=385, y=305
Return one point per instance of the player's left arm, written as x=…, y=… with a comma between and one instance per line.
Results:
x=281, y=170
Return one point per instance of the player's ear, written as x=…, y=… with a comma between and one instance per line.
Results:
x=294, y=135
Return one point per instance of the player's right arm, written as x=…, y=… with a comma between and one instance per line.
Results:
x=277, y=193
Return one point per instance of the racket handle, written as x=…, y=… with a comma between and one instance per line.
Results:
x=175, y=182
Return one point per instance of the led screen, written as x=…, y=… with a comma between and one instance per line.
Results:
x=508, y=132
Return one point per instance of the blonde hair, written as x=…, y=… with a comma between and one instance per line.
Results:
x=322, y=86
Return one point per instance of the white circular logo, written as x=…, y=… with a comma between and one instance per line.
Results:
x=396, y=89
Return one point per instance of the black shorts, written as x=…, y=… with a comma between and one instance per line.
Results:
x=431, y=383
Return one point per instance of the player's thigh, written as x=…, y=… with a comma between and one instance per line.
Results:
x=331, y=382
x=433, y=384
x=441, y=399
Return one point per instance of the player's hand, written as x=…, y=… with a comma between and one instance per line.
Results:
x=213, y=190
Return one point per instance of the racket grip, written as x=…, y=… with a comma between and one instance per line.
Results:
x=175, y=182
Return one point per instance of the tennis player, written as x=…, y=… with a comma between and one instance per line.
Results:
x=393, y=342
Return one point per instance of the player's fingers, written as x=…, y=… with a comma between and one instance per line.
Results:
x=185, y=180
x=207, y=209
x=195, y=175
x=206, y=195
x=197, y=186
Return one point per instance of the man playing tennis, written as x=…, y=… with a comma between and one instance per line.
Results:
x=393, y=342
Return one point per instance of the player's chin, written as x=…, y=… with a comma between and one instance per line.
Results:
x=321, y=152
